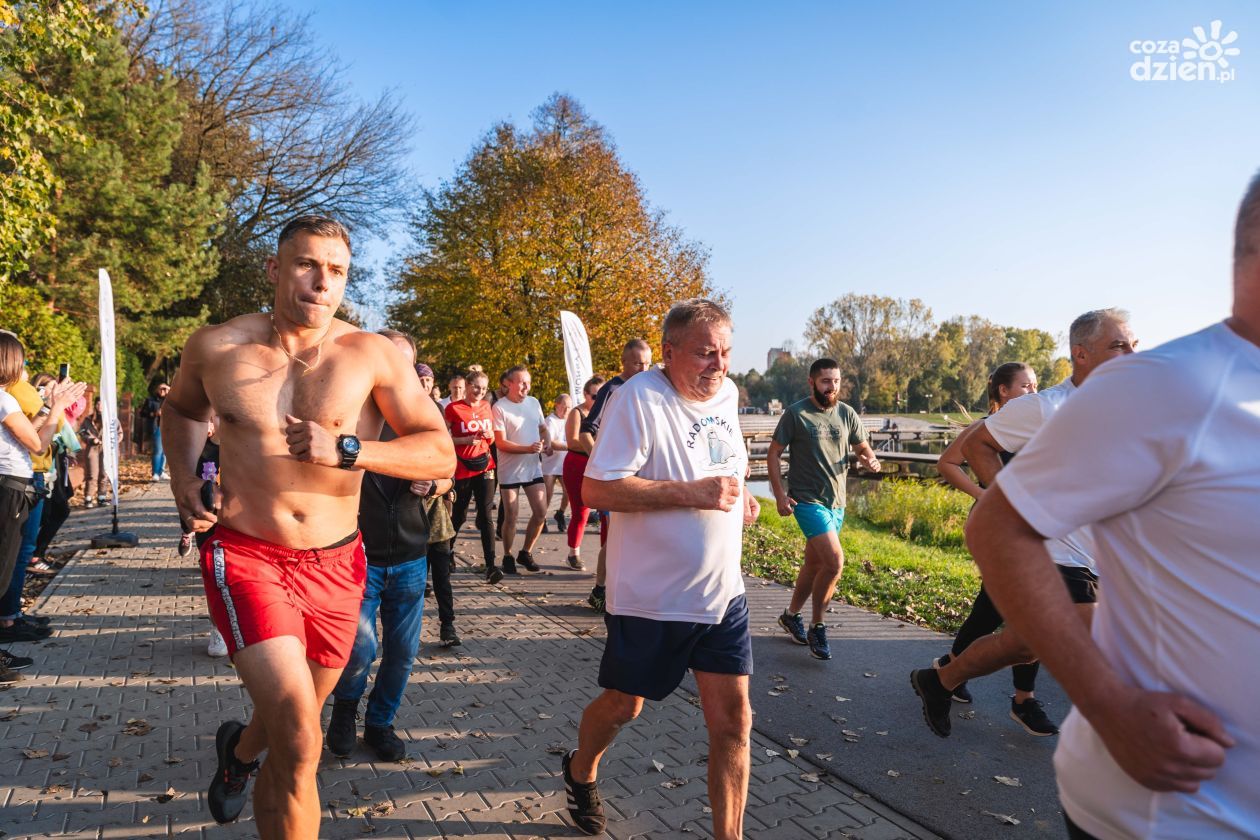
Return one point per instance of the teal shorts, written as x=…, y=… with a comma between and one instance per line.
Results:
x=816, y=519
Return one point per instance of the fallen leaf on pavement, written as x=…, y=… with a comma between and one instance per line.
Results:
x=809, y=777
x=793, y=753
x=1007, y=780
x=824, y=756
x=800, y=742
x=659, y=767
x=31, y=753
x=771, y=753
x=894, y=774
x=1002, y=818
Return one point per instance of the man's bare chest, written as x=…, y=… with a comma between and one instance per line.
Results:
x=255, y=390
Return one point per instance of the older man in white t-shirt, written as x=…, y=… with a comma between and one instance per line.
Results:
x=1157, y=455
x=1095, y=337
x=670, y=461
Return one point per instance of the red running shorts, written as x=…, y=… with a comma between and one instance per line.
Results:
x=258, y=591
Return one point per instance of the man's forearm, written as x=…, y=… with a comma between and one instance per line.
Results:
x=420, y=456
x=774, y=471
x=183, y=439
x=1029, y=592
x=636, y=495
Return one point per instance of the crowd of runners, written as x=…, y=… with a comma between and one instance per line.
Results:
x=1115, y=526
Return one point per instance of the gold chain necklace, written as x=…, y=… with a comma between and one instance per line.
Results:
x=319, y=347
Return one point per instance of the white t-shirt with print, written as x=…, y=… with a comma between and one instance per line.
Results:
x=519, y=422
x=1158, y=452
x=15, y=459
x=554, y=464
x=674, y=564
x=1013, y=427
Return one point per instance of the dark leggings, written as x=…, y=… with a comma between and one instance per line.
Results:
x=983, y=620
x=440, y=562
x=482, y=487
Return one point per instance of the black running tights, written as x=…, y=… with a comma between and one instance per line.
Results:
x=983, y=620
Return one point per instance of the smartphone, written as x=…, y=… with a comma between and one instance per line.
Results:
x=63, y=372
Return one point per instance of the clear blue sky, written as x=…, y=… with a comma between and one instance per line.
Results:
x=989, y=158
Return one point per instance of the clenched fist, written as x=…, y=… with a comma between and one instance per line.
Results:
x=310, y=442
x=721, y=492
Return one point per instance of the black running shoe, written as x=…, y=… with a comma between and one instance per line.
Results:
x=596, y=599
x=935, y=698
x=37, y=620
x=795, y=626
x=961, y=693
x=22, y=631
x=523, y=558
x=387, y=745
x=575, y=563
x=1032, y=716
x=585, y=806
x=231, y=779
x=343, y=734
x=13, y=662
x=509, y=565
x=185, y=544
x=559, y=517
x=493, y=575
x=449, y=637
x=818, y=647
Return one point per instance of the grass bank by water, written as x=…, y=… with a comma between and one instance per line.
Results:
x=908, y=579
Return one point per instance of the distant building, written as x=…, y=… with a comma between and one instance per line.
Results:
x=777, y=354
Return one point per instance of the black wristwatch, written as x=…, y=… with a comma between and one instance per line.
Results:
x=348, y=447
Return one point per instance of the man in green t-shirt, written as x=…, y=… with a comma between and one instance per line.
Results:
x=820, y=431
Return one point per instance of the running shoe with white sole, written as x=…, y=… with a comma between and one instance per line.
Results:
x=1032, y=716
x=795, y=627
x=817, y=637
x=217, y=647
x=585, y=805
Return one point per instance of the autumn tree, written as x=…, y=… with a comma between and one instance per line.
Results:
x=533, y=222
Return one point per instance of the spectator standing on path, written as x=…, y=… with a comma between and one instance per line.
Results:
x=471, y=425
x=1008, y=381
x=636, y=357
x=95, y=481
x=1156, y=455
x=520, y=436
x=574, y=469
x=395, y=525
x=819, y=431
x=1095, y=338
x=151, y=411
x=671, y=463
x=285, y=570
x=553, y=464
x=19, y=438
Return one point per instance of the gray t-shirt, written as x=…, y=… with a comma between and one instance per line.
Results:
x=819, y=441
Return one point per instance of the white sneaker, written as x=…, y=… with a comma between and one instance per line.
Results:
x=217, y=646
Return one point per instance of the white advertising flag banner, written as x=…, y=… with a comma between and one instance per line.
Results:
x=577, y=354
x=109, y=384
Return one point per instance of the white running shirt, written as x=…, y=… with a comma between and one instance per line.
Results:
x=1160, y=453
x=519, y=422
x=1013, y=427
x=554, y=464
x=15, y=459
x=676, y=564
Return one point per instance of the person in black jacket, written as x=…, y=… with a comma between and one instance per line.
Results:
x=395, y=528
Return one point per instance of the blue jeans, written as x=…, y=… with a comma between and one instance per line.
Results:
x=398, y=593
x=11, y=601
x=159, y=454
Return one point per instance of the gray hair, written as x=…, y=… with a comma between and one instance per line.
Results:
x=1247, y=229
x=1086, y=328
x=693, y=311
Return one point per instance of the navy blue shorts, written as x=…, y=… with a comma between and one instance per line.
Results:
x=649, y=658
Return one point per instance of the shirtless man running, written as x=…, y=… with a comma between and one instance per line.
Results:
x=284, y=570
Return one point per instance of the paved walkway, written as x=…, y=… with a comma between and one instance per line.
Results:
x=111, y=733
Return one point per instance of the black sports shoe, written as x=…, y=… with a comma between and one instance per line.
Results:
x=23, y=631
x=961, y=693
x=1032, y=716
x=13, y=662
x=523, y=558
x=935, y=697
x=449, y=637
x=509, y=565
x=818, y=647
x=575, y=563
x=596, y=599
x=585, y=806
x=37, y=620
x=493, y=575
x=185, y=544
x=388, y=746
x=343, y=735
x=227, y=789
x=559, y=517
x=795, y=626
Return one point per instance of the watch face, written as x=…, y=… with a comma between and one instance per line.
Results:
x=350, y=445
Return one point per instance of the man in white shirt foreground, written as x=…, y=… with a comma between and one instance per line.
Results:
x=670, y=462
x=1158, y=455
x=1095, y=337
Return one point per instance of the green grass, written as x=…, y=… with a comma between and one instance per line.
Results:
x=931, y=514
x=924, y=584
